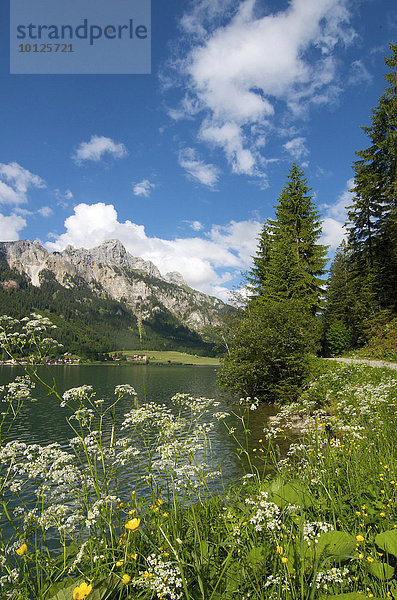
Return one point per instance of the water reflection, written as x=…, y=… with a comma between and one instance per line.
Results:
x=44, y=421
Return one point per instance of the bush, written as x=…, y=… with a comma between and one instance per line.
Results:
x=269, y=357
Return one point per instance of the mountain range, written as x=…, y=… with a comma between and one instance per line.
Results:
x=160, y=309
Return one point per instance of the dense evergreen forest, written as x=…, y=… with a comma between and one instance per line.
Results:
x=292, y=311
x=362, y=287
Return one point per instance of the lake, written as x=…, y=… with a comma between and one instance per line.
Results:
x=44, y=421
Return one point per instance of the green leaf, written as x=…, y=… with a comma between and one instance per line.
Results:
x=292, y=493
x=381, y=570
x=387, y=541
x=66, y=592
x=336, y=544
x=256, y=555
x=233, y=578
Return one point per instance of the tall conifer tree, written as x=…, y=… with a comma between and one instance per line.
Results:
x=290, y=261
x=373, y=216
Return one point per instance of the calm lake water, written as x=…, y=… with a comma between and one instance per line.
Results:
x=44, y=421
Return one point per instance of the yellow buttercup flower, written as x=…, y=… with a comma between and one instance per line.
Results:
x=284, y=560
x=148, y=575
x=134, y=556
x=119, y=563
x=82, y=591
x=279, y=550
x=22, y=550
x=125, y=579
x=370, y=559
x=133, y=524
x=359, y=538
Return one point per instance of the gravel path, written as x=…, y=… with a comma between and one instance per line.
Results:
x=366, y=361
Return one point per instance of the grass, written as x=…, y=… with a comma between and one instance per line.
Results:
x=322, y=526
x=173, y=357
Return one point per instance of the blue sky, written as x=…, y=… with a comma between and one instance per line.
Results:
x=184, y=165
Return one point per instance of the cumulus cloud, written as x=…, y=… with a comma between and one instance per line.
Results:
x=96, y=148
x=195, y=225
x=335, y=218
x=201, y=260
x=10, y=227
x=45, y=211
x=15, y=181
x=143, y=188
x=244, y=67
x=296, y=148
x=206, y=174
x=333, y=233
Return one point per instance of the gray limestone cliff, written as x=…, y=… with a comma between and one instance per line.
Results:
x=110, y=270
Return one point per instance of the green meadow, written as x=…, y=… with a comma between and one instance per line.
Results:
x=315, y=523
x=172, y=357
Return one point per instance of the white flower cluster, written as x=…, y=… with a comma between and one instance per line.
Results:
x=125, y=389
x=276, y=581
x=95, y=511
x=162, y=577
x=83, y=415
x=335, y=575
x=252, y=403
x=148, y=414
x=221, y=415
x=19, y=389
x=77, y=394
x=312, y=531
x=196, y=405
x=38, y=323
x=267, y=514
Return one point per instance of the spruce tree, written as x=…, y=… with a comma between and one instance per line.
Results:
x=290, y=261
x=373, y=216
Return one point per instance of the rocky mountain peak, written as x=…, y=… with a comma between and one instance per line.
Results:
x=110, y=269
x=175, y=277
x=111, y=253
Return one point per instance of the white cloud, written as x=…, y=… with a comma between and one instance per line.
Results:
x=97, y=147
x=66, y=195
x=45, y=211
x=10, y=227
x=230, y=138
x=336, y=216
x=240, y=73
x=15, y=181
x=195, y=225
x=202, y=261
x=333, y=233
x=143, y=188
x=206, y=174
x=359, y=74
x=296, y=148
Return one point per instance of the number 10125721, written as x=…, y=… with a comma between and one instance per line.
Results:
x=46, y=48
